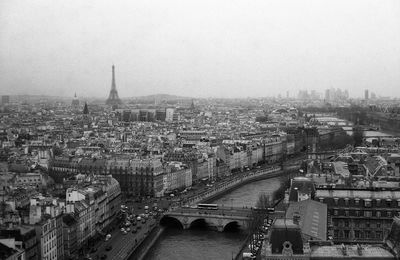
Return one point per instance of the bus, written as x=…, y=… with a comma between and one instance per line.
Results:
x=207, y=206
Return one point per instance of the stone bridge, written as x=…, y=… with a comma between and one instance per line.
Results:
x=219, y=218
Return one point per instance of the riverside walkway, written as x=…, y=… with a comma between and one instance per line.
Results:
x=226, y=185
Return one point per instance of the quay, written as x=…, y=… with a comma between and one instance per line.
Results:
x=183, y=211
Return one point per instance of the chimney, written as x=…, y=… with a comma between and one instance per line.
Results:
x=296, y=218
x=344, y=249
x=359, y=250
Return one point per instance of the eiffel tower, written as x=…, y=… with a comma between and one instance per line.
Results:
x=113, y=99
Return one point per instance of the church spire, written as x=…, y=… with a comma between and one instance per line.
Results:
x=85, y=109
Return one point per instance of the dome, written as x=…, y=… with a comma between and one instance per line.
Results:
x=75, y=101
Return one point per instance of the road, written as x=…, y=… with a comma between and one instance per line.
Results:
x=124, y=244
x=229, y=211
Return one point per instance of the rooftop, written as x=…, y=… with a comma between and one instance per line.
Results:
x=351, y=251
x=313, y=217
x=361, y=194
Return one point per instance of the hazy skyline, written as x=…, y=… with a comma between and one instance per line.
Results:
x=217, y=48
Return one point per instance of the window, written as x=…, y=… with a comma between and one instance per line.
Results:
x=389, y=214
x=357, y=234
x=378, y=224
x=336, y=212
x=367, y=214
x=367, y=224
x=378, y=202
x=346, y=223
x=388, y=202
x=346, y=201
x=357, y=201
x=346, y=213
x=378, y=214
x=346, y=234
x=379, y=235
x=367, y=203
x=367, y=234
x=357, y=213
x=336, y=201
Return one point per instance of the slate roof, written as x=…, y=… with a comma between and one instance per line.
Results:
x=313, y=217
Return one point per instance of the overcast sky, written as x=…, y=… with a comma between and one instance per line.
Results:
x=215, y=48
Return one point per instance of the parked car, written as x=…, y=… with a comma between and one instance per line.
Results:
x=108, y=237
x=108, y=248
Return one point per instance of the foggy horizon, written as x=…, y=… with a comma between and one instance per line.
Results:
x=199, y=49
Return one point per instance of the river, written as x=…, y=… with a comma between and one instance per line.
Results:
x=198, y=244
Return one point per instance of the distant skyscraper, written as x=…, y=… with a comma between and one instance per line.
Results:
x=366, y=95
x=327, y=94
x=5, y=99
x=346, y=94
x=113, y=99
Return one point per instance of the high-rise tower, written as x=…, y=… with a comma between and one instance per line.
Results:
x=113, y=98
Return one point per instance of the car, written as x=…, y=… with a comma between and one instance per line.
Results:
x=103, y=257
x=128, y=229
x=108, y=248
x=108, y=237
x=124, y=232
x=93, y=250
x=139, y=227
x=122, y=229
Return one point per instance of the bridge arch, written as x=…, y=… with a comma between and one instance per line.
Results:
x=171, y=222
x=231, y=226
x=198, y=223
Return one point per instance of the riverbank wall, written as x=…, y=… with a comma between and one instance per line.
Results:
x=281, y=173
x=144, y=247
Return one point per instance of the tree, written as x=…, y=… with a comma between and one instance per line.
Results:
x=264, y=201
x=358, y=136
x=57, y=151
